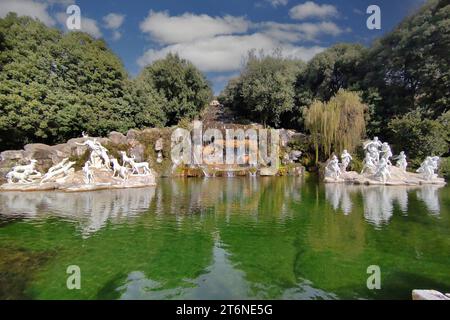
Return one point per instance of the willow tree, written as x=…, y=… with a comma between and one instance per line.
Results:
x=337, y=124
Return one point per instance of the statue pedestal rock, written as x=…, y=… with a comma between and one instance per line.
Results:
x=96, y=174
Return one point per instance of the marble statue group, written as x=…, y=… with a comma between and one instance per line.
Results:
x=99, y=163
x=377, y=167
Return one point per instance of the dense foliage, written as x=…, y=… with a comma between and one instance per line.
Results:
x=265, y=90
x=53, y=86
x=180, y=83
x=419, y=136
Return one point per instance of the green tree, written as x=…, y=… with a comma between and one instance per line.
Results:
x=54, y=86
x=337, y=124
x=338, y=67
x=420, y=137
x=409, y=67
x=184, y=88
x=264, y=91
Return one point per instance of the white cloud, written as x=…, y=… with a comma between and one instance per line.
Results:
x=88, y=25
x=219, y=44
x=113, y=20
x=225, y=53
x=276, y=3
x=189, y=27
x=116, y=35
x=60, y=2
x=301, y=31
x=310, y=9
x=30, y=8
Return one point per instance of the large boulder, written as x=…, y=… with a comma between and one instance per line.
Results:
x=133, y=134
x=117, y=138
x=14, y=155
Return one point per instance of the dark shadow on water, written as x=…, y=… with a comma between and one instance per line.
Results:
x=109, y=290
x=17, y=268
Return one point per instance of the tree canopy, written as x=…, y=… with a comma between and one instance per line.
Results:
x=337, y=124
x=53, y=86
x=264, y=91
x=184, y=88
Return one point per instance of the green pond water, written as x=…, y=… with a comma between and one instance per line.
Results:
x=226, y=238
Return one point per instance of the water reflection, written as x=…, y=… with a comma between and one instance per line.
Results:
x=91, y=209
x=429, y=194
x=183, y=197
x=264, y=238
x=379, y=201
x=227, y=196
x=218, y=281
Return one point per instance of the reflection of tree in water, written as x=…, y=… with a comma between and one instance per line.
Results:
x=220, y=280
x=226, y=196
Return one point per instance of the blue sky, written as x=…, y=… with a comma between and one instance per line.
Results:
x=215, y=35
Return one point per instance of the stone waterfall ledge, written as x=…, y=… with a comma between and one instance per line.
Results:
x=398, y=178
x=74, y=182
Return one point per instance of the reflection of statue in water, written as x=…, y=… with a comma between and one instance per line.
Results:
x=428, y=167
x=378, y=204
x=332, y=169
x=429, y=194
x=401, y=161
x=91, y=209
x=338, y=195
x=345, y=159
x=383, y=172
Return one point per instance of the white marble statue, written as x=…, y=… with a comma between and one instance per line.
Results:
x=57, y=166
x=373, y=147
x=386, y=152
x=60, y=170
x=121, y=171
x=345, y=160
x=401, y=161
x=29, y=167
x=135, y=165
x=428, y=168
x=88, y=174
x=375, y=143
x=24, y=173
x=368, y=164
x=126, y=160
x=26, y=176
x=332, y=170
x=383, y=172
x=97, y=151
